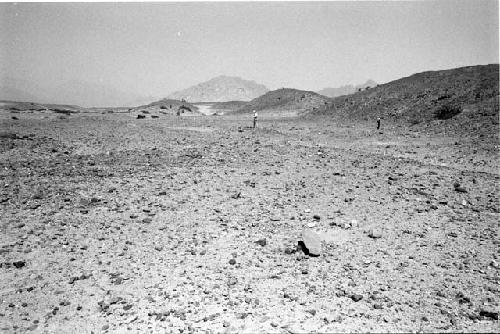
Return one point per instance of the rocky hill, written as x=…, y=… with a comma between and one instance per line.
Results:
x=221, y=89
x=286, y=100
x=462, y=99
x=168, y=107
x=347, y=89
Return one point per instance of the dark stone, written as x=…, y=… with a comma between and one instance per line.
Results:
x=312, y=312
x=261, y=242
x=489, y=314
x=462, y=299
x=356, y=297
x=459, y=188
x=19, y=264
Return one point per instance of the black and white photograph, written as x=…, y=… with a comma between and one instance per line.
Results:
x=249, y=167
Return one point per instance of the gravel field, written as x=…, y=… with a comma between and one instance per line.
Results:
x=115, y=224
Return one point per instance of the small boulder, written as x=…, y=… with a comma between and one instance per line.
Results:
x=459, y=188
x=489, y=313
x=375, y=233
x=356, y=297
x=19, y=264
x=261, y=242
x=310, y=243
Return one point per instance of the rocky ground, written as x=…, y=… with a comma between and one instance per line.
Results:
x=189, y=224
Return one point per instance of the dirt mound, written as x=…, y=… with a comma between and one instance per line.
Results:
x=459, y=99
x=287, y=100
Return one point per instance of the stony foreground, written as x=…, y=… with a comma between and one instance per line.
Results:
x=113, y=224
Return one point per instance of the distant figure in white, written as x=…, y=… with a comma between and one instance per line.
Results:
x=378, y=123
x=255, y=119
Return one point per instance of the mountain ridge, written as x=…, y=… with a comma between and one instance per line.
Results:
x=221, y=88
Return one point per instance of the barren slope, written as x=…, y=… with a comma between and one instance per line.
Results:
x=417, y=100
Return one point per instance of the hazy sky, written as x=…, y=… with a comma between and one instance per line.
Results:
x=157, y=48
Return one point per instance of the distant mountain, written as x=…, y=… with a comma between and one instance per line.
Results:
x=462, y=99
x=346, y=90
x=96, y=95
x=16, y=94
x=71, y=92
x=286, y=101
x=141, y=101
x=221, y=89
x=14, y=89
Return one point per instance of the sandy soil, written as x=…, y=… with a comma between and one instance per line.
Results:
x=114, y=224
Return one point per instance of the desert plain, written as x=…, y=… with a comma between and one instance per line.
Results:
x=113, y=224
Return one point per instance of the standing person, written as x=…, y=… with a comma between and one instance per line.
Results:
x=254, y=119
x=378, y=123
